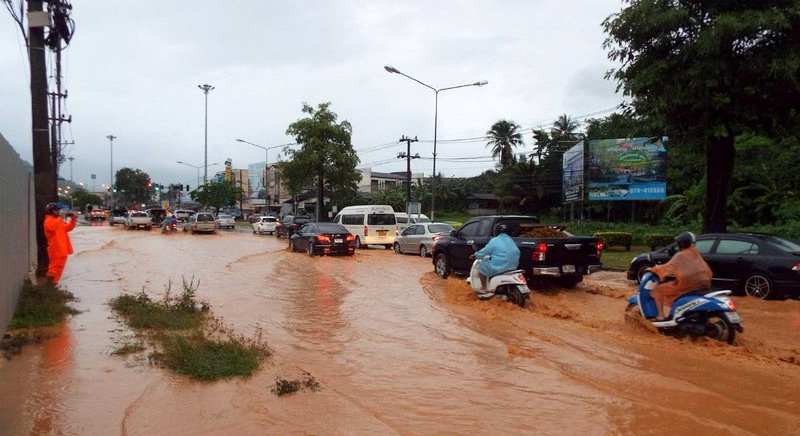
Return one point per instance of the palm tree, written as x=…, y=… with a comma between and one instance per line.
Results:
x=503, y=137
x=564, y=129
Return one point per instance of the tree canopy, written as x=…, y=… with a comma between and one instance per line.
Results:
x=326, y=158
x=217, y=194
x=503, y=137
x=711, y=71
x=132, y=186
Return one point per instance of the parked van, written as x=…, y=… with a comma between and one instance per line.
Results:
x=404, y=220
x=371, y=224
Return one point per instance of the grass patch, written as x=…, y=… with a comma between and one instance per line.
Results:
x=128, y=348
x=169, y=313
x=42, y=305
x=287, y=387
x=187, y=338
x=619, y=258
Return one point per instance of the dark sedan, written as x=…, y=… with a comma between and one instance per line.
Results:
x=323, y=239
x=762, y=266
x=289, y=224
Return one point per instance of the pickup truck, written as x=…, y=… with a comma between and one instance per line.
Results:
x=546, y=251
x=138, y=220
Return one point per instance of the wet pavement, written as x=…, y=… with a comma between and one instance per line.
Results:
x=395, y=349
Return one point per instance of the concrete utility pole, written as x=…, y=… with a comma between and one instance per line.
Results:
x=70, y=168
x=111, y=139
x=44, y=180
x=408, y=157
x=206, y=88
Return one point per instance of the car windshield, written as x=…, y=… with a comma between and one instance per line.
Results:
x=301, y=220
x=439, y=228
x=381, y=219
x=139, y=214
x=784, y=244
x=331, y=228
x=224, y=217
x=205, y=217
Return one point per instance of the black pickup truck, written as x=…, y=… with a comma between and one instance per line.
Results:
x=546, y=251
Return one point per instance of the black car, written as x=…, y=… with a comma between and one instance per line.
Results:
x=289, y=224
x=323, y=238
x=763, y=266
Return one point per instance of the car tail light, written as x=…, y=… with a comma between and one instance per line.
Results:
x=323, y=239
x=396, y=230
x=366, y=231
x=796, y=267
x=349, y=238
x=539, y=253
x=599, y=246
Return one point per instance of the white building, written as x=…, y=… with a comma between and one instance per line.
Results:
x=373, y=181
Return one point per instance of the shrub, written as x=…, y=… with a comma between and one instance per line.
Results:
x=41, y=306
x=615, y=239
x=658, y=240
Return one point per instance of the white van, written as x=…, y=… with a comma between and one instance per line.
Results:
x=404, y=220
x=371, y=224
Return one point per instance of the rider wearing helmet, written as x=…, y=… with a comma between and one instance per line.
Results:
x=691, y=273
x=58, y=243
x=499, y=255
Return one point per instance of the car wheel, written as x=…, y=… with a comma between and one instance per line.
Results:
x=423, y=251
x=310, y=249
x=569, y=282
x=644, y=269
x=442, y=266
x=758, y=285
x=358, y=244
x=396, y=248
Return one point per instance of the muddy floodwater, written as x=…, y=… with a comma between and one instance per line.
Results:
x=396, y=350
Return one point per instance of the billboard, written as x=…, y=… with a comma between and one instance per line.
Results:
x=572, y=174
x=627, y=169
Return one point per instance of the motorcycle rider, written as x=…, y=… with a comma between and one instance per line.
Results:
x=169, y=221
x=499, y=255
x=691, y=273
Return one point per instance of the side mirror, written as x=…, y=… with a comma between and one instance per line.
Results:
x=454, y=233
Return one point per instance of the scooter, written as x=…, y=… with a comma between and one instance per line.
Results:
x=169, y=226
x=698, y=314
x=510, y=285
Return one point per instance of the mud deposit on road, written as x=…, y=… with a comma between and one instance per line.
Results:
x=395, y=350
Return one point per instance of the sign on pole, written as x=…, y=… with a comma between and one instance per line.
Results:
x=572, y=175
x=627, y=169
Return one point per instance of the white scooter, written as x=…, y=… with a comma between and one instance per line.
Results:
x=510, y=285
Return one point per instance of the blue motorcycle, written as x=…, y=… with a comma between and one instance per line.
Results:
x=698, y=314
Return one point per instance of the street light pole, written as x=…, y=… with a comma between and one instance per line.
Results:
x=206, y=88
x=266, y=165
x=394, y=70
x=111, y=139
x=70, y=168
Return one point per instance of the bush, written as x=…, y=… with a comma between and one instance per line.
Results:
x=42, y=305
x=658, y=240
x=615, y=239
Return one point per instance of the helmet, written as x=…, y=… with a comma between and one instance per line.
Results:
x=685, y=240
x=501, y=228
x=52, y=208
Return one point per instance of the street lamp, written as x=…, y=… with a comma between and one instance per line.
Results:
x=197, y=167
x=111, y=139
x=205, y=88
x=266, y=164
x=394, y=70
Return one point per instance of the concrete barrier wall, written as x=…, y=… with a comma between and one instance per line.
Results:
x=17, y=229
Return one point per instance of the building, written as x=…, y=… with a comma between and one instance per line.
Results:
x=373, y=181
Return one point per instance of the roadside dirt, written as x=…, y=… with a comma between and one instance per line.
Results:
x=395, y=349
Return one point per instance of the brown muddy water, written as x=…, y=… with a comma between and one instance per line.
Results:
x=396, y=350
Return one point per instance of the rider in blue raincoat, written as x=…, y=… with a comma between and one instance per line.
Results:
x=499, y=255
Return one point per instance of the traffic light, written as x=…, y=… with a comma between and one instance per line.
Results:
x=187, y=188
x=157, y=187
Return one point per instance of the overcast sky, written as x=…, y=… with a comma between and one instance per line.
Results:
x=133, y=68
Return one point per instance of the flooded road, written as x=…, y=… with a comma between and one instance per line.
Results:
x=396, y=350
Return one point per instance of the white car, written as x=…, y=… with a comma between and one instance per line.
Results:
x=265, y=224
x=183, y=215
x=225, y=221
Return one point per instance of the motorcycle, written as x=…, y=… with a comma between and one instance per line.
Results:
x=509, y=286
x=168, y=226
x=698, y=314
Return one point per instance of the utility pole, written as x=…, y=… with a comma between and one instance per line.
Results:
x=70, y=168
x=408, y=157
x=44, y=182
x=205, y=88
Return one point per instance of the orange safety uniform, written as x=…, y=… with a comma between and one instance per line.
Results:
x=58, y=244
x=691, y=273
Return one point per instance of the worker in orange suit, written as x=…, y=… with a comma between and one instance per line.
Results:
x=58, y=244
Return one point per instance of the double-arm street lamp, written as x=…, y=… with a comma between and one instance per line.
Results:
x=435, y=124
x=206, y=88
x=197, y=167
x=266, y=164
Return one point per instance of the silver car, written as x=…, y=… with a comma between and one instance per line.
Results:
x=225, y=221
x=418, y=238
x=201, y=222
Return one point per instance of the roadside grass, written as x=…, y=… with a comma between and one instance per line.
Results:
x=44, y=305
x=619, y=258
x=128, y=348
x=287, y=387
x=187, y=338
x=243, y=225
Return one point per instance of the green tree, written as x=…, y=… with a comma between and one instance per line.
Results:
x=711, y=71
x=326, y=158
x=217, y=194
x=80, y=198
x=132, y=186
x=502, y=138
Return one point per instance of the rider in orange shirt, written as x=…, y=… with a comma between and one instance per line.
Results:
x=58, y=243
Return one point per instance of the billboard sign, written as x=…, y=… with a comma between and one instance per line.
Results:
x=628, y=169
x=572, y=175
